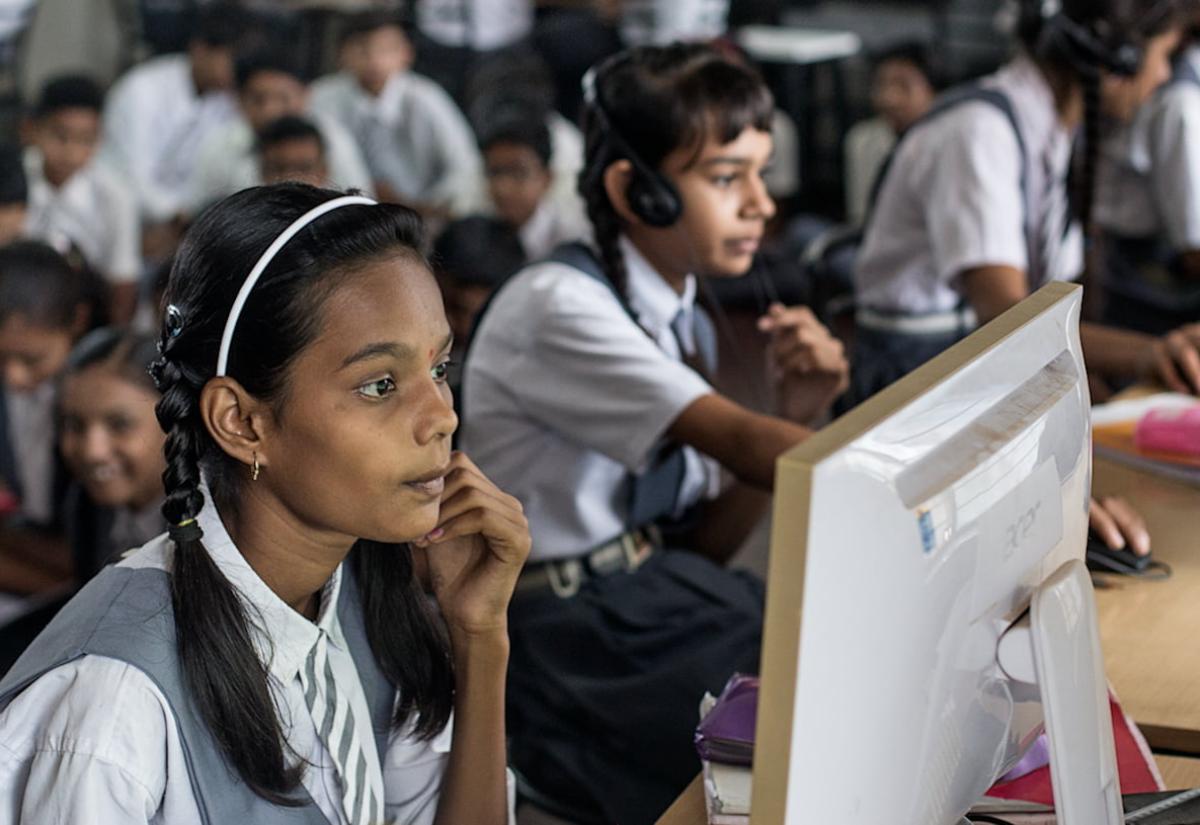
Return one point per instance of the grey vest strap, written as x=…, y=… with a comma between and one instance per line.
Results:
x=126, y=614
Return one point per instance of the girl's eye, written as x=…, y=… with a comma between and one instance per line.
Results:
x=378, y=389
x=724, y=181
x=441, y=373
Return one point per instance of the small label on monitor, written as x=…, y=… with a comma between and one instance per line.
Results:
x=1017, y=533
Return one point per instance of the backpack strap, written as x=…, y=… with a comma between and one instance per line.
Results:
x=951, y=100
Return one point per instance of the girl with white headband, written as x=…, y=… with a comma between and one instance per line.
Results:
x=274, y=658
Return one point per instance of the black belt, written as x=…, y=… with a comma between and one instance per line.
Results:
x=564, y=577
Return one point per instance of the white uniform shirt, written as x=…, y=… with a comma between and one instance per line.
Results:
x=566, y=396
x=866, y=149
x=94, y=740
x=482, y=25
x=412, y=136
x=1149, y=177
x=154, y=125
x=553, y=223
x=32, y=438
x=659, y=22
x=93, y=211
x=952, y=200
x=566, y=160
x=228, y=161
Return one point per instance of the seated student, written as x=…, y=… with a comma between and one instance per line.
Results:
x=45, y=307
x=974, y=211
x=74, y=201
x=516, y=162
x=274, y=647
x=14, y=194
x=417, y=144
x=471, y=257
x=577, y=381
x=1148, y=192
x=111, y=442
x=160, y=112
x=292, y=149
x=903, y=85
x=269, y=87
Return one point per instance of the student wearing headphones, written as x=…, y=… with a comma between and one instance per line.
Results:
x=1148, y=195
x=587, y=389
x=973, y=211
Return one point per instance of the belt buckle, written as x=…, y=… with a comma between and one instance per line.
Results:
x=565, y=581
x=636, y=548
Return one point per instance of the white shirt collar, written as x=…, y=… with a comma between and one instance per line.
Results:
x=652, y=299
x=282, y=637
x=387, y=104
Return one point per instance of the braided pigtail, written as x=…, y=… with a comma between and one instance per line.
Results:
x=1093, y=269
x=606, y=224
x=211, y=622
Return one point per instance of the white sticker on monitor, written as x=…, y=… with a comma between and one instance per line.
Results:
x=1015, y=535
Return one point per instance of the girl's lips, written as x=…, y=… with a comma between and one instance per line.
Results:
x=744, y=246
x=430, y=488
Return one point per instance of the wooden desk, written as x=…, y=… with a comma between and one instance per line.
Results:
x=1147, y=629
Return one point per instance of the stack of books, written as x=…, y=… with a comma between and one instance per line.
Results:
x=1152, y=433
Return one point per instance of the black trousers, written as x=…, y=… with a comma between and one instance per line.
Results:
x=604, y=688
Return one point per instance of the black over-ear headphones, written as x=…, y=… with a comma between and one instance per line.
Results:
x=652, y=197
x=1082, y=47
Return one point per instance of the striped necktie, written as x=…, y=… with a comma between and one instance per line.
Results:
x=330, y=709
x=697, y=340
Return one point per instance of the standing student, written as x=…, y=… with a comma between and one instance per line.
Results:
x=269, y=86
x=45, y=307
x=159, y=113
x=578, y=392
x=273, y=657
x=418, y=146
x=74, y=201
x=112, y=444
x=973, y=212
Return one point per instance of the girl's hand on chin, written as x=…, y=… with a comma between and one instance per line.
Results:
x=476, y=551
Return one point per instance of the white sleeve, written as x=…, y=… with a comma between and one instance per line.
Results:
x=461, y=187
x=210, y=179
x=125, y=250
x=86, y=743
x=128, y=145
x=347, y=169
x=593, y=375
x=974, y=208
x=1175, y=165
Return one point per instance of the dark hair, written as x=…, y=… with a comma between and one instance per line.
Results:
x=38, y=283
x=515, y=78
x=69, y=92
x=914, y=53
x=520, y=126
x=280, y=318
x=14, y=187
x=478, y=251
x=274, y=60
x=1114, y=25
x=129, y=354
x=287, y=128
x=363, y=23
x=662, y=98
x=220, y=25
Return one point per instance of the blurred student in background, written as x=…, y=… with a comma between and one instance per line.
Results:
x=292, y=149
x=14, y=194
x=74, y=200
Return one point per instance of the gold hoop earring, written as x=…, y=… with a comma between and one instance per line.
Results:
x=254, y=468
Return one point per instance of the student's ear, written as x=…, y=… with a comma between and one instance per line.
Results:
x=236, y=420
x=616, y=185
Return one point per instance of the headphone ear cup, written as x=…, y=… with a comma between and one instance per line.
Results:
x=654, y=199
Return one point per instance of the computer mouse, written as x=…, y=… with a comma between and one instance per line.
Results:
x=1103, y=559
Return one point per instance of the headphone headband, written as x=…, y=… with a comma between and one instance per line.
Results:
x=264, y=261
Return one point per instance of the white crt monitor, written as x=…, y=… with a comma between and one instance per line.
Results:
x=927, y=604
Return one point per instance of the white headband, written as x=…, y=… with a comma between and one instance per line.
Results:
x=263, y=262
